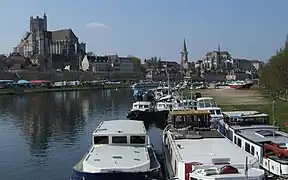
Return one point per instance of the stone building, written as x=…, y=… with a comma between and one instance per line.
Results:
x=41, y=46
x=217, y=60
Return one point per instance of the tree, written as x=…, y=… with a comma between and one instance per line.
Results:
x=137, y=64
x=274, y=75
x=136, y=60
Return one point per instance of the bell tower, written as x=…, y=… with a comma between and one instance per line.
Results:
x=184, y=58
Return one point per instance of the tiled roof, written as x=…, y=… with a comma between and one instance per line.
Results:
x=63, y=34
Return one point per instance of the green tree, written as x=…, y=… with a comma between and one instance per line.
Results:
x=274, y=75
x=137, y=64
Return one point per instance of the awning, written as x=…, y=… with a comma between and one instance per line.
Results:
x=23, y=82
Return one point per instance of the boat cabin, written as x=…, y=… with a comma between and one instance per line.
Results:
x=117, y=146
x=119, y=132
x=192, y=118
x=164, y=106
x=208, y=103
x=142, y=106
x=245, y=118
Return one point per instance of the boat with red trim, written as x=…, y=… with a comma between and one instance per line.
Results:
x=241, y=84
x=250, y=131
x=198, y=152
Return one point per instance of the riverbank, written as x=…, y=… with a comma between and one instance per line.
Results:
x=12, y=91
x=244, y=100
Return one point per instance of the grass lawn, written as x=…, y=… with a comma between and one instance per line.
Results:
x=281, y=110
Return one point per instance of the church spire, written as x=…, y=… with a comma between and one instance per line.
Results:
x=184, y=47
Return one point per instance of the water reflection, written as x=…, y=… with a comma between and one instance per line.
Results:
x=43, y=135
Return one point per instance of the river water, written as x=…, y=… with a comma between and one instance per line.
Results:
x=43, y=135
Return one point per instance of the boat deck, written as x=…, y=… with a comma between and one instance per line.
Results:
x=120, y=126
x=208, y=150
x=184, y=134
x=262, y=133
x=114, y=157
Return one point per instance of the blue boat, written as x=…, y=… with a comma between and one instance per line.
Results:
x=121, y=150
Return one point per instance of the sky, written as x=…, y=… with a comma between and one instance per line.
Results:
x=252, y=29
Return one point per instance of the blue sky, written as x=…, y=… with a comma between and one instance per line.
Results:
x=246, y=28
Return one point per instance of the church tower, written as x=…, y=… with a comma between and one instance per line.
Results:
x=184, y=59
x=184, y=55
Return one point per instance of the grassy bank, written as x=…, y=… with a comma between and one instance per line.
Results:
x=245, y=100
x=11, y=91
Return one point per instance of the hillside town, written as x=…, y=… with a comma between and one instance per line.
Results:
x=45, y=52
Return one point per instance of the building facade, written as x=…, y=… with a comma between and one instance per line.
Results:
x=217, y=60
x=40, y=45
x=110, y=63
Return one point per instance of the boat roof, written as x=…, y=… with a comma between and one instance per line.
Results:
x=263, y=133
x=204, y=98
x=142, y=103
x=188, y=112
x=120, y=127
x=103, y=157
x=209, y=108
x=241, y=114
x=209, y=150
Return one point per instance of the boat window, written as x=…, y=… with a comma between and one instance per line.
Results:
x=140, y=106
x=207, y=103
x=247, y=147
x=137, y=139
x=146, y=106
x=213, y=103
x=201, y=104
x=239, y=143
x=252, y=150
x=218, y=112
x=101, y=139
x=212, y=112
x=235, y=139
x=119, y=139
x=135, y=106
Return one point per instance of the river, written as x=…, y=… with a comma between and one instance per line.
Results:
x=43, y=135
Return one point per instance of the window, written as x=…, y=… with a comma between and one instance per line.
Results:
x=239, y=143
x=211, y=112
x=146, y=106
x=101, y=139
x=137, y=139
x=218, y=112
x=207, y=103
x=247, y=147
x=119, y=139
x=252, y=150
x=235, y=139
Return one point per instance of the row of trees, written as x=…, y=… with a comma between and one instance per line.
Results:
x=274, y=75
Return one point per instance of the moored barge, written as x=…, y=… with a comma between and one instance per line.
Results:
x=198, y=152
